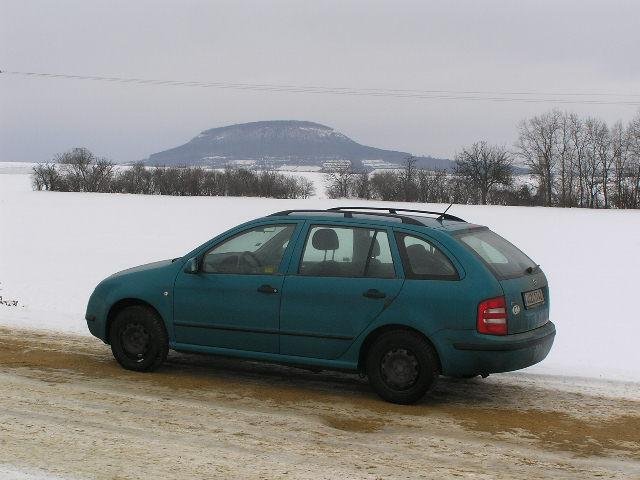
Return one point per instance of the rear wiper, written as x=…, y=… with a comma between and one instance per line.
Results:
x=532, y=269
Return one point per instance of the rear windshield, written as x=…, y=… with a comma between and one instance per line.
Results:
x=502, y=257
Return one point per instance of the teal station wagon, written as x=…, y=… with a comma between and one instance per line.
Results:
x=402, y=296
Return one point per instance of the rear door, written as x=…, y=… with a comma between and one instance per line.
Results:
x=525, y=287
x=341, y=278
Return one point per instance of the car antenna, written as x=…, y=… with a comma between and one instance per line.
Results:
x=443, y=213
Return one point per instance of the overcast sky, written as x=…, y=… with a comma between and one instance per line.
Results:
x=538, y=46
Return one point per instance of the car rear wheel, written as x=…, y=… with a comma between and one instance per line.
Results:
x=402, y=366
x=138, y=339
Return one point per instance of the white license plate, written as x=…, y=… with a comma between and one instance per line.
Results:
x=533, y=298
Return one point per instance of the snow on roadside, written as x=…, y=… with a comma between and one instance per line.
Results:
x=55, y=247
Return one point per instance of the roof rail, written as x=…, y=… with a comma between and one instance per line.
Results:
x=347, y=214
x=441, y=215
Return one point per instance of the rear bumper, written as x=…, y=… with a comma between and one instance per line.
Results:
x=507, y=346
x=464, y=353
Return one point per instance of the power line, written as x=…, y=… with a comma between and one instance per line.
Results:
x=593, y=98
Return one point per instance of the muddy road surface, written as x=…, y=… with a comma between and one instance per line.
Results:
x=68, y=409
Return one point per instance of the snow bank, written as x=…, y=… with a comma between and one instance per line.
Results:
x=55, y=247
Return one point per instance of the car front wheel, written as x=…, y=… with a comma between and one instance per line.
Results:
x=138, y=339
x=402, y=366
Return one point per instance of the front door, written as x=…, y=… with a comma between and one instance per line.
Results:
x=234, y=299
x=344, y=279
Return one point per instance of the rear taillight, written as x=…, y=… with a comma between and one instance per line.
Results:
x=492, y=316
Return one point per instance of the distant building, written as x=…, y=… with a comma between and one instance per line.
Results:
x=335, y=165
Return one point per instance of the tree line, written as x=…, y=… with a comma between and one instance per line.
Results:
x=573, y=161
x=483, y=174
x=582, y=162
x=79, y=170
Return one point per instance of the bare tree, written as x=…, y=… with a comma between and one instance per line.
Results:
x=84, y=172
x=137, y=179
x=408, y=180
x=483, y=167
x=75, y=166
x=633, y=138
x=386, y=185
x=567, y=155
x=578, y=167
x=537, y=145
x=605, y=158
x=362, y=185
x=620, y=160
x=304, y=188
x=435, y=186
x=100, y=176
x=45, y=176
x=592, y=168
x=443, y=188
x=340, y=182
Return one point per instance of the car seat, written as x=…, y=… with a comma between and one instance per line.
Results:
x=423, y=262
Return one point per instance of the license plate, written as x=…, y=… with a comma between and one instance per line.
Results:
x=533, y=298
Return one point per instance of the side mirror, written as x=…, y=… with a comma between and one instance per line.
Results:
x=191, y=266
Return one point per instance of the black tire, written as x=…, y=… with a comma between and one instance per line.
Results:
x=402, y=366
x=138, y=339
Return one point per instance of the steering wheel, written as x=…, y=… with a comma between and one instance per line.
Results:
x=250, y=260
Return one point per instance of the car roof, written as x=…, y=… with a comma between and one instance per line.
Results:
x=391, y=216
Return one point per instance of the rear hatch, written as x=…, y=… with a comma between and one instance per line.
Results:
x=525, y=286
x=527, y=299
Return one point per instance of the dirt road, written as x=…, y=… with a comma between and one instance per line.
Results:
x=67, y=408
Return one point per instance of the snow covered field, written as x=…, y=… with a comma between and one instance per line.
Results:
x=55, y=247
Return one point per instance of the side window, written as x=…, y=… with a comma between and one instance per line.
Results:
x=257, y=251
x=422, y=260
x=346, y=252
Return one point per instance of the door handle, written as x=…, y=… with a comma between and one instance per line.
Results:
x=374, y=293
x=267, y=289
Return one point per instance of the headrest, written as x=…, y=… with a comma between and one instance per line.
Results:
x=417, y=252
x=325, y=239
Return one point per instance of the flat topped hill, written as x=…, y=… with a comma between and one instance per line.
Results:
x=281, y=142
